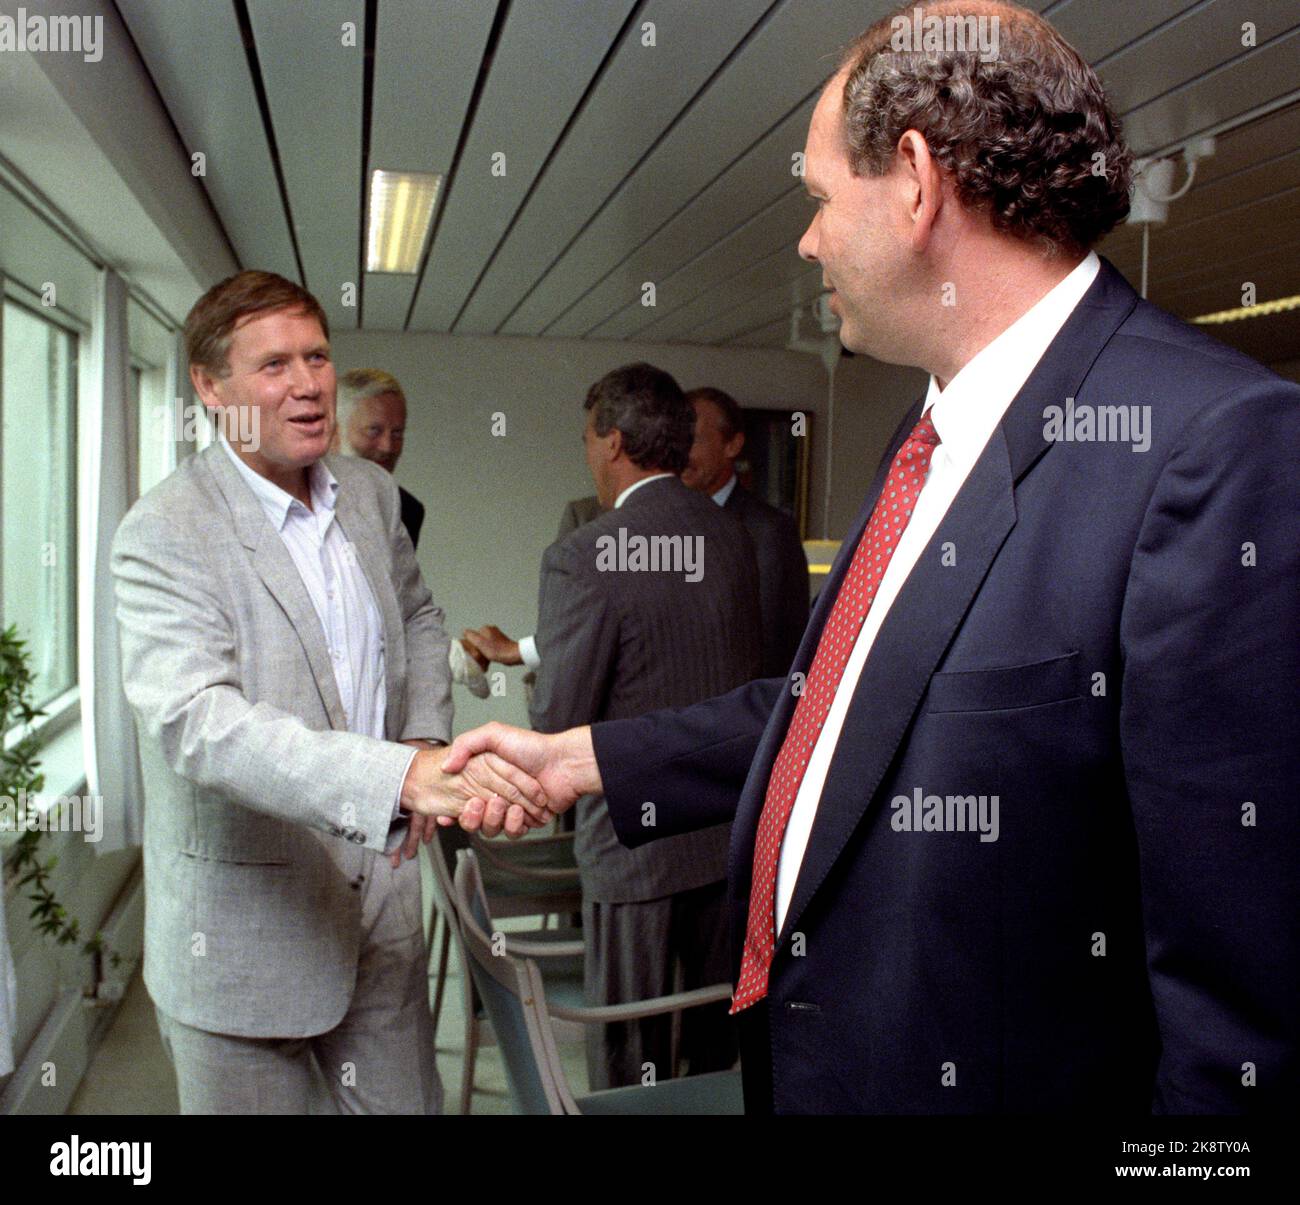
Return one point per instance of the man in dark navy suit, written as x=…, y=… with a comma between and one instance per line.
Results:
x=782, y=565
x=1018, y=832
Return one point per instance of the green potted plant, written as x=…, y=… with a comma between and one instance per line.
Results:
x=20, y=776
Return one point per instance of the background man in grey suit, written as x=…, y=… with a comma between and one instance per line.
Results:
x=782, y=565
x=287, y=669
x=619, y=639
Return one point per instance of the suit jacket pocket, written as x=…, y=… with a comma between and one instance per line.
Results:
x=1005, y=688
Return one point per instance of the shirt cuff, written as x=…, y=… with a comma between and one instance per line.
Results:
x=528, y=651
x=400, y=822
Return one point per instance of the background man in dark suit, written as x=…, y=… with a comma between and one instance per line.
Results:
x=617, y=639
x=1018, y=833
x=782, y=566
x=372, y=425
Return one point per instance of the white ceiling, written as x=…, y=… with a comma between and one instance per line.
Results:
x=626, y=163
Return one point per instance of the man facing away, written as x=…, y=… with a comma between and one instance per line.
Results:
x=1017, y=833
x=287, y=670
x=654, y=603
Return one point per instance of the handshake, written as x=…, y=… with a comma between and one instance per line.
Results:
x=496, y=779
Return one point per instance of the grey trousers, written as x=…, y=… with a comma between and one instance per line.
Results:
x=633, y=952
x=378, y=1059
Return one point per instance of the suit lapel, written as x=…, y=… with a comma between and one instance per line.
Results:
x=932, y=603
x=273, y=564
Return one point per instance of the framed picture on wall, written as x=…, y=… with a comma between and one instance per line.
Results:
x=774, y=462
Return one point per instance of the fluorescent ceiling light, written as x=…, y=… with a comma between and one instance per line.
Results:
x=400, y=215
x=1280, y=306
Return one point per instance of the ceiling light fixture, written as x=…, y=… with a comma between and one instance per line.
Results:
x=400, y=214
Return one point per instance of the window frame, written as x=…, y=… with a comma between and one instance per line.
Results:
x=64, y=710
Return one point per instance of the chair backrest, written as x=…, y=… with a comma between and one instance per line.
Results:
x=514, y=997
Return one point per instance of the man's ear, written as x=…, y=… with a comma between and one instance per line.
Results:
x=923, y=185
x=613, y=444
x=734, y=446
x=205, y=385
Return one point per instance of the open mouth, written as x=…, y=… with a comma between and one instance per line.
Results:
x=309, y=424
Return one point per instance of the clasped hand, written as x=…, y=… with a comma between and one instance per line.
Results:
x=497, y=779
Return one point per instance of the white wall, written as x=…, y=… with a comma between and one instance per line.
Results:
x=493, y=503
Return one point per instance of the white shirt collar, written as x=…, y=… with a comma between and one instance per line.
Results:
x=636, y=485
x=965, y=413
x=725, y=492
x=278, y=502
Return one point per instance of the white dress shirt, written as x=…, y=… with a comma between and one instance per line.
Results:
x=964, y=415
x=340, y=594
x=725, y=492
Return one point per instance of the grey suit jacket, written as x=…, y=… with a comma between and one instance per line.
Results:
x=577, y=512
x=617, y=643
x=782, y=577
x=260, y=806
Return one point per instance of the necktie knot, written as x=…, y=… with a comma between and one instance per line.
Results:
x=924, y=432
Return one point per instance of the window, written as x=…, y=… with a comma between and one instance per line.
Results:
x=153, y=428
x=39, y=501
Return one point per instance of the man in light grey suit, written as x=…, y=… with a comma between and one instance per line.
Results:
x=287, y=669
x=652, y=604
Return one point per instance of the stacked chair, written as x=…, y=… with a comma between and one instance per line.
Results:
x=525, y=984
x=532, y=877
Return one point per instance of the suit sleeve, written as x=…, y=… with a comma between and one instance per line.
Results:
x=1210, y=731
x=577, y=640
x=691, y=762
x=181, y=675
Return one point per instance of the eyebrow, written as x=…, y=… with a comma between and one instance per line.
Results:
x=318, y=349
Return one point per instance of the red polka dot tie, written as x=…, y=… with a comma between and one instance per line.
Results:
x=857, y=591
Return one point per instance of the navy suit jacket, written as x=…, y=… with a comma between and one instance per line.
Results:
x=1105, y=639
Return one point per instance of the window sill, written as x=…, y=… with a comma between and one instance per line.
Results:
x=63, y=763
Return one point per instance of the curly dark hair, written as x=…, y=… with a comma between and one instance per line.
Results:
x=647, y=405
x=1028, y=136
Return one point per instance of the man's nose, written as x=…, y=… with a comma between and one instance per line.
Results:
x=808, y=244
x=304, y=381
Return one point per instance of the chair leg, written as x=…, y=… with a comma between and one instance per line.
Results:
x=471, y=1043
x=442, y=975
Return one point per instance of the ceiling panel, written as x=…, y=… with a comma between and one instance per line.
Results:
x=1199, y=40
x=775, y=71
x=670, y=163
x=312, y=61
x=1097, y=31
x=195, y=54
x=720, y=265
x=1239, y=86
x=421, y=96
x=546, y=58
x=753, y=181
x=639, y=94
